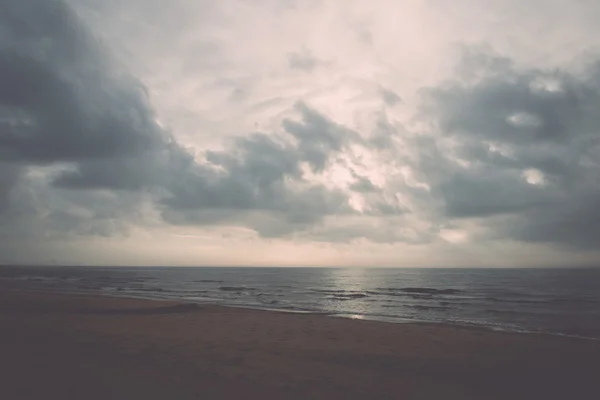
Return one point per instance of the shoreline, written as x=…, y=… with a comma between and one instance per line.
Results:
x=98, y=347
x=384, y=320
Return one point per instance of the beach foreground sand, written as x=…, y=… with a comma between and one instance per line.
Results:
x=84, y=347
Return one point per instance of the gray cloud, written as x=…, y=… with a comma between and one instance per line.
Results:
x=262, y=174
x=390, y=97
x=363, y=185
x=64, y=103
x=303, y=61
x=318, y=137
x=9, y=176
x=81, y=152
x=64, y=100
x=530, y=145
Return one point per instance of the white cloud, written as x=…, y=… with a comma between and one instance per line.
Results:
x=525, y=120
x=534, y=176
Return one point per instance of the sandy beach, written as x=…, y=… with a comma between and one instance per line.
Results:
x=57, y=346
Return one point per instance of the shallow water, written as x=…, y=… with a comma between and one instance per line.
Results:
x=561, y=301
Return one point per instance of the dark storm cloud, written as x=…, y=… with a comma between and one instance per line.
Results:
x=9, y=175
x=63, y=102
x=488, y=192
x=518, y=150
x=261, y=174
x=505, y=123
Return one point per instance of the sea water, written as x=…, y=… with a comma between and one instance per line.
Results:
x=557, y=301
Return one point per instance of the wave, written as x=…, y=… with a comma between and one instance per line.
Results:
x=89, y=287
x=150, y=289
x=349, y=296
x=269, y=301
x=332, y=291
x=517, y=301
x=208, y=281
x=236, y=288
x=506, y=312
x=429, y=308
x=420, y=290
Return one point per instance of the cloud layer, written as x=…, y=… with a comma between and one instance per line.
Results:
x=522, y=145
x=496, y=152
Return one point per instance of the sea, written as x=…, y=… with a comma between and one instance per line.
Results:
x=552, y=301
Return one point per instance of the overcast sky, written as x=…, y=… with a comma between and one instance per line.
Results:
x=300, y=132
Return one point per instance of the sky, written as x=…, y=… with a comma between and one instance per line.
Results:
x=300, y=132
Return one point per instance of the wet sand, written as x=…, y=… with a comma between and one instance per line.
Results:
x=56, y=346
